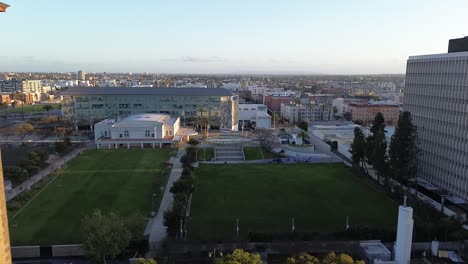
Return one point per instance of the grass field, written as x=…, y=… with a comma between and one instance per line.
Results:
x=266, y=196
x=255, y=153
x=119, y=180
x=205, y=154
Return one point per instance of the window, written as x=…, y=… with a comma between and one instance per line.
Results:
x=147, y=133
x=126, y=134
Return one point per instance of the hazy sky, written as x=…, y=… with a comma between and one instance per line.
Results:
x=226, y=36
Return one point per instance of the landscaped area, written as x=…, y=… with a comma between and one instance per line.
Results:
x=265, y=197
x=30, y=108
x=258, y=153
x=205, y=154
x=120, y=180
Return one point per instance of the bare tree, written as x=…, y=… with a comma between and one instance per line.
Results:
x=265, y=137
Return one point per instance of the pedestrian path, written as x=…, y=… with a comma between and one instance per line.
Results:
x=158, y=230
x=26, y=185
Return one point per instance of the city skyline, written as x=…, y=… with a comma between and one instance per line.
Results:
x=207, y=37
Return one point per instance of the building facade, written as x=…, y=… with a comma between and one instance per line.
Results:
x=436, y=94
x=254, y=115
x=366, y=112
x=306, y=112
x=85, y=105
x=139, y=129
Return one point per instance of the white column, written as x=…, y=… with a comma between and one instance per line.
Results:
x=141, y=145
x=153, y=144
x=160, y=145
x=97, y=145
x=128, y=145
x=109, y=145
x=116, y=145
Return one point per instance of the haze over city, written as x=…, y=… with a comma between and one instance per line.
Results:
x=327, y=37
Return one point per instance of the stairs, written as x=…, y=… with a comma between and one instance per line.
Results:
x=229, y=152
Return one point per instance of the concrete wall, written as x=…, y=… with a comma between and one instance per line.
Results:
x=74, y=250
x=26, y=252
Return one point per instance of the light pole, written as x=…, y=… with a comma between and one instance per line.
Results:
x=213, y=254
x=152, y=204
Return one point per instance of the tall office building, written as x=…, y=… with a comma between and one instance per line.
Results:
x=436, y=94
x=5, y=251
x=81, y=75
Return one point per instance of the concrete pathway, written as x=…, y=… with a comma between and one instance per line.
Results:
x=26, y=185
x=158, y=230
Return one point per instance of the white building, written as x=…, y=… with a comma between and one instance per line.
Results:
x=138, y=129
x=232, y=86
x=254, y=115
x=306, y=112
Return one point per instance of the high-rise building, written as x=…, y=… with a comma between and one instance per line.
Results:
x=5, y=251
x=436, y=94
x=81, y=75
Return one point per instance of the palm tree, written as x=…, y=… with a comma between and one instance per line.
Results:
x=204, y=123
x=304, y=135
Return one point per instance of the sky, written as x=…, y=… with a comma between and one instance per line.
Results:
x=224, y=36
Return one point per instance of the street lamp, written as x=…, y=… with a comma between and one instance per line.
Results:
x=152, y=204
x=213, y=254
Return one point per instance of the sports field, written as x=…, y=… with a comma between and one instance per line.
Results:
x=265, y=198
x=120, y=180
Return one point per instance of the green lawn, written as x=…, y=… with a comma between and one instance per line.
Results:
x=255, y=153
x=120, y=180
x=205, y=154
x=266, y=196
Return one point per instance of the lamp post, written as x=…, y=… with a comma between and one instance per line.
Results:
x=213, y=254
x=152, y=204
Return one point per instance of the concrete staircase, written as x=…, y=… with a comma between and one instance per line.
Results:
x=229, y=152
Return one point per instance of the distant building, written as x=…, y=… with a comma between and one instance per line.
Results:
x=367, y=112
x=274, y=102
x=254, y=115
x=136, y=130
x=5, y=98
x=436, y=94
x=25, y=86
x=232, y=86
x=306, y=112
x=341, y=104
x=82, y=105
x=81, y=75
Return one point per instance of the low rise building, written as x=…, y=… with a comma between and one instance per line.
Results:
x=254, y=115
x=306, y=112
x=139, y=129
x=274, y=102
x=366, y=112
x=5, y=98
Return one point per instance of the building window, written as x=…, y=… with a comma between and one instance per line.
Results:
x=126, y=133
x=147, y=133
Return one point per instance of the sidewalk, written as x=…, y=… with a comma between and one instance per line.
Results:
x=158, y=230
x=43, y=173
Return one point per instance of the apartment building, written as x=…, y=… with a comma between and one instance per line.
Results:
x=366, y=112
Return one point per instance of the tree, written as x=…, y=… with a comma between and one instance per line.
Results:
x=48, y=107
x=16, y=174
x=303, y=125
x=302, y=258
x=303, y=135
x=239, y=256
x=193, y=142
x=332, y=258
x=105, y=235
x=204, y=123
x=376, y=152
x=145, y=261
x=20, y=129
x=347, y=116
x=265, y=137
x=403, y=150
x=358, y=149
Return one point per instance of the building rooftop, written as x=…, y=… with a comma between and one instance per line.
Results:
x=439, y=56
x=146, y=91
x=137, y=120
